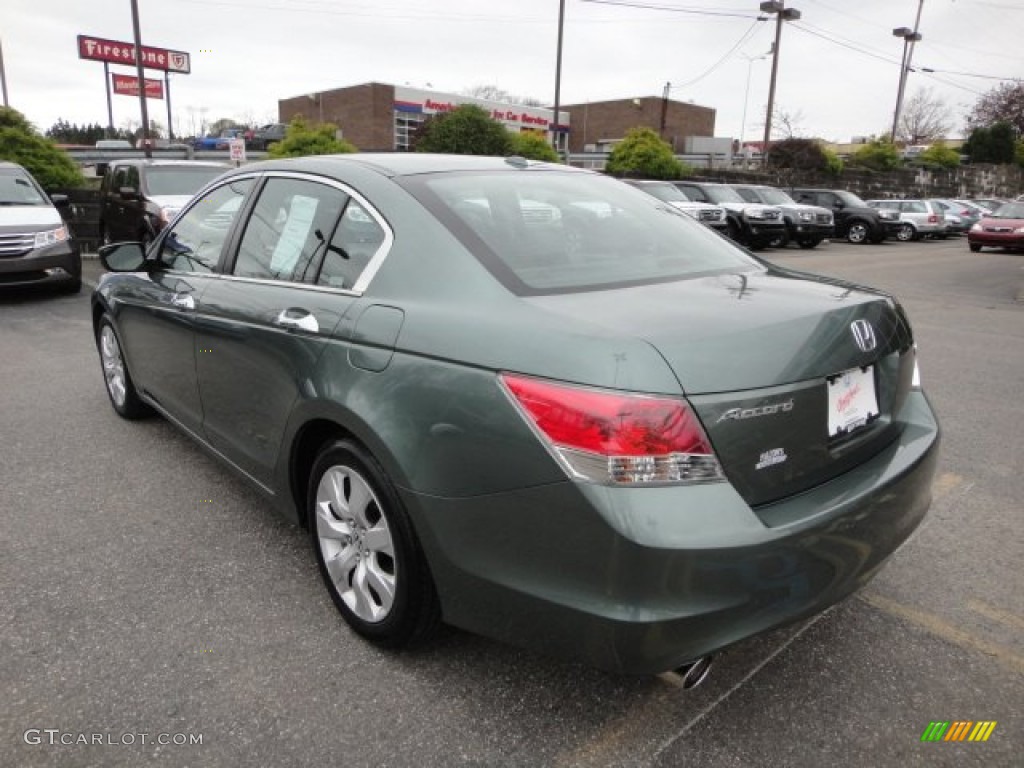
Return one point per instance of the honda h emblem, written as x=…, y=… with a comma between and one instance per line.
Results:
x=864, y=335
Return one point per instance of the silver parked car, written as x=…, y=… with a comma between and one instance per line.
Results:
x=921, y=218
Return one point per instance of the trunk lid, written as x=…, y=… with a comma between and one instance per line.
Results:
x=759, y=356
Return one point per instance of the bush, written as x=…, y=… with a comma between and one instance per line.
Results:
x=643, y=153
x=878, y=155
x=992, y=145
x=466, y=130
x=534, y=146
x=798, y=155
x=20, y=143
x=300, y=140
x=941, y=155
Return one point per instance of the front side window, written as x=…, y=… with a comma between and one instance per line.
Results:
x=289, y=229
x=195, y=242
x=553, y=232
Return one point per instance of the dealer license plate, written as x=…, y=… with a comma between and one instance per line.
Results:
x=852, y=403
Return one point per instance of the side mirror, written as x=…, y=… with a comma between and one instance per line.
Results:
x=61, y=201
x=128, y=193
x=123, y=257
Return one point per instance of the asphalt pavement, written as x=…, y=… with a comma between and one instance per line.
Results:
x=147, y=595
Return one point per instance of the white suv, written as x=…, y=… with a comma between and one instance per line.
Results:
x=921, y=218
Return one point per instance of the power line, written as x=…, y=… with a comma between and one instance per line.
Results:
x=834, y=41
x=743, y=38
x=673, y=8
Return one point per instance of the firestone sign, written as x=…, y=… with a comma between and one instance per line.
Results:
x=116, y=52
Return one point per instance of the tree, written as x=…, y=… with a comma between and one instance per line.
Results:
x=643, y=153
x=878, y=155
x=21, y=143
x=797, y=154
x=494, y=93
x=787, y=124
x=300, y=140
x=991, y=145
x=924, y=118
x=533, y=146
x=466, y=130
x=1002, y=104
x=941, y=155
x=217, y=127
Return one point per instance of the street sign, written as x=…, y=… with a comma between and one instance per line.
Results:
x=129, y=86
x=118, y=52
x=237, y=148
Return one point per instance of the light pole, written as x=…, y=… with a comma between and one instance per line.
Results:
x=782, y=13
x=746, y=91
x=558, y=78
x=910, y=36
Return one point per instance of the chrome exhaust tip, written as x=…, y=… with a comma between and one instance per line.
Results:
x=696, y=672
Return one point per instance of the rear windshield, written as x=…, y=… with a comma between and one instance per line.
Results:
x=16, y=188
x=553, y=232
x=179, y=181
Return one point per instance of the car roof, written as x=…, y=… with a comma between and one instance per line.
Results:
x=406, y=163
x=179, y=163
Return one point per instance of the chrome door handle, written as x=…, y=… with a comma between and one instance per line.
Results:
x=183, y=301
x=299, y=319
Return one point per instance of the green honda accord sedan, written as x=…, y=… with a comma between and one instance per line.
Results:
x=527, y=400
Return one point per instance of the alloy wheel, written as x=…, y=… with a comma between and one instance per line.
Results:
x=858, y=232
x=113, y=366
x=905, y=233
x=356, y=543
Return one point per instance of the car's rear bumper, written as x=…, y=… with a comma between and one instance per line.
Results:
x=53, y=263
x=644, y=580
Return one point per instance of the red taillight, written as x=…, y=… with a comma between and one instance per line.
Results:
x=933, y=219
x=615, y=437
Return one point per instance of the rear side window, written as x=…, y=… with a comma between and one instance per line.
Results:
x=290, y=227
x=553, y=232
x=914, y=206
x=356, y=240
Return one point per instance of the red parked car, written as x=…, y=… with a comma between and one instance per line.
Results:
x=1003, y=228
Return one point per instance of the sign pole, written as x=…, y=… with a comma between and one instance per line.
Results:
x=142, y=80
x=110, y=103
x=167, y=95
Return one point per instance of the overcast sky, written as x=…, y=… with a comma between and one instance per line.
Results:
x=839, y=65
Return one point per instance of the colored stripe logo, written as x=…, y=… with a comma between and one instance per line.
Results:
x=958, y=730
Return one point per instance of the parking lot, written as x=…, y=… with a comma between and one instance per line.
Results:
x=147, y=591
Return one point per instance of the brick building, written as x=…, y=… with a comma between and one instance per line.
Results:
x=597, y=125
x=382, y=117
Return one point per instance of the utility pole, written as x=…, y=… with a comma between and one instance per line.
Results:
x=3, y=75
x=142, y=79
x=558, y=78
x=664, y=110
x=782, y=13
x=910, y=36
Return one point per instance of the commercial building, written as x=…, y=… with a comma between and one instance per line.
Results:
x=598, y=125
x=383, y=117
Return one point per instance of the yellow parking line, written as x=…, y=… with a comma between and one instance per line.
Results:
x=941, y=628
x=996, y=614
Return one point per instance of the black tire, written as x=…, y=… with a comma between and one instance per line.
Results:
x=809, y=242
x=72, y=285
x=906, y=233
x=858, y=232
x=414, y=611
x=733, y=230
x=129, y=405
x=781, y=241
x=975, y=247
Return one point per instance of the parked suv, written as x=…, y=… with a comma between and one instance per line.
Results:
x=806, y=225
x=752, y=224
x=139, y=197
x=35, y=243
x=919, y=218
x=854, y=219
x=709, y=215
x=268, y=134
